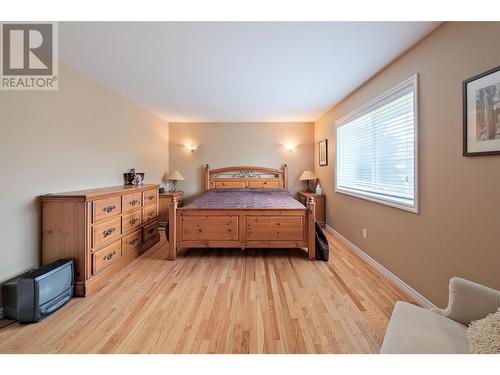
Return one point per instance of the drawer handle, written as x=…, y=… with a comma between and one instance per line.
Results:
x=133, y=221
x=133, y=202
x=109, y=209
x=133, y=242
x=109, y=255
x=150, y=197
x=108, y=232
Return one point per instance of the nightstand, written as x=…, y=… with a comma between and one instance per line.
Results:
x=320, y=208
x=165, y=199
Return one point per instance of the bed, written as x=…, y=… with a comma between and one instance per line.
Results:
x=246, y=207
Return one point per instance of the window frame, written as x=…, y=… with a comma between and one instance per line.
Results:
x=379, y=101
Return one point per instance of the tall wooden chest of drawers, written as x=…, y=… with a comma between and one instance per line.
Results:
x=100, y=229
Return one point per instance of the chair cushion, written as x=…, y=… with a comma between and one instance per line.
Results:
x=413, y=329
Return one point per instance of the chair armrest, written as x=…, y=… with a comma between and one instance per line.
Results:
x=469, y=301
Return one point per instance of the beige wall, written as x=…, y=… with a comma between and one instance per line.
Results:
x=228, y=144
x=458, y=229
x=81, y=136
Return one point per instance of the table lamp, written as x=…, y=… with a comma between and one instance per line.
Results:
x=307, y=176
x=174, y=177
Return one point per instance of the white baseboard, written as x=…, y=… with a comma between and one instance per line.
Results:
x=405, y=288
x=1, y=313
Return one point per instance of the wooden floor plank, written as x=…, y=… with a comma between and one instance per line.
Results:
x=223, y=301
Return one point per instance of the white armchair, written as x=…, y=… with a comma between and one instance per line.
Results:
x=413, y=329
x=469, y=301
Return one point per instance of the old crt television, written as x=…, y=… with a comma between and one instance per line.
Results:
x=36, y=294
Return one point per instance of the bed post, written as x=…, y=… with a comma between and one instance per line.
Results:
x=311, y=230
x=207, y=178
x=284, y=168
x=172, y=229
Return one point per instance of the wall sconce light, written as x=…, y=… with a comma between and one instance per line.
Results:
x=290, y=147
x=191, y=147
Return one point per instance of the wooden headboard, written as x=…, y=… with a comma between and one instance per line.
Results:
x=246, y=177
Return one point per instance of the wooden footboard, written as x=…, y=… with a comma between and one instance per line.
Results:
x=246, y=228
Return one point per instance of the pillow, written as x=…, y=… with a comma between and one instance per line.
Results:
x=484, y=335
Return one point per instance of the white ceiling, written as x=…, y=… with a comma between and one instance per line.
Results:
x=235, y=71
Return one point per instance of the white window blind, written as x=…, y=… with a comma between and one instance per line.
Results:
x=376, y=149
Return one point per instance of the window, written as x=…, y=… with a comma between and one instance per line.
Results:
x=376, y=149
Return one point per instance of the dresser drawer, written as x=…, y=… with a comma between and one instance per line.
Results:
x=150, y=197
x=107, y=256
x=131, y=220
x=131, y=241
x=149, y=213
x=149, y=231
x=105, y=208
x=106, y=231
x=131, y=201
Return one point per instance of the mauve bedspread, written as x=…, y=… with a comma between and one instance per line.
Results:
x=246, y=198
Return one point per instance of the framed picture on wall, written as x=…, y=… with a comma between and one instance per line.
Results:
x=481, y=112
x=323, y=152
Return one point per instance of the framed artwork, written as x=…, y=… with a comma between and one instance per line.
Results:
x=323, y=152
x=481, y=111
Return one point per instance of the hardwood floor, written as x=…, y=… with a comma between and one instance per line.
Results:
x=222, y=301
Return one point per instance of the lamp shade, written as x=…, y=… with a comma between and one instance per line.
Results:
x=176, y=176
x=307, y=175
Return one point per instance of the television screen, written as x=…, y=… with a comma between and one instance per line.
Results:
x=53, y=284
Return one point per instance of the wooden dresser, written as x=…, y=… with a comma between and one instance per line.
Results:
x=100, y=229
x=302, y=197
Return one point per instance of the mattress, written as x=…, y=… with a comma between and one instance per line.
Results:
x=246, y=198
